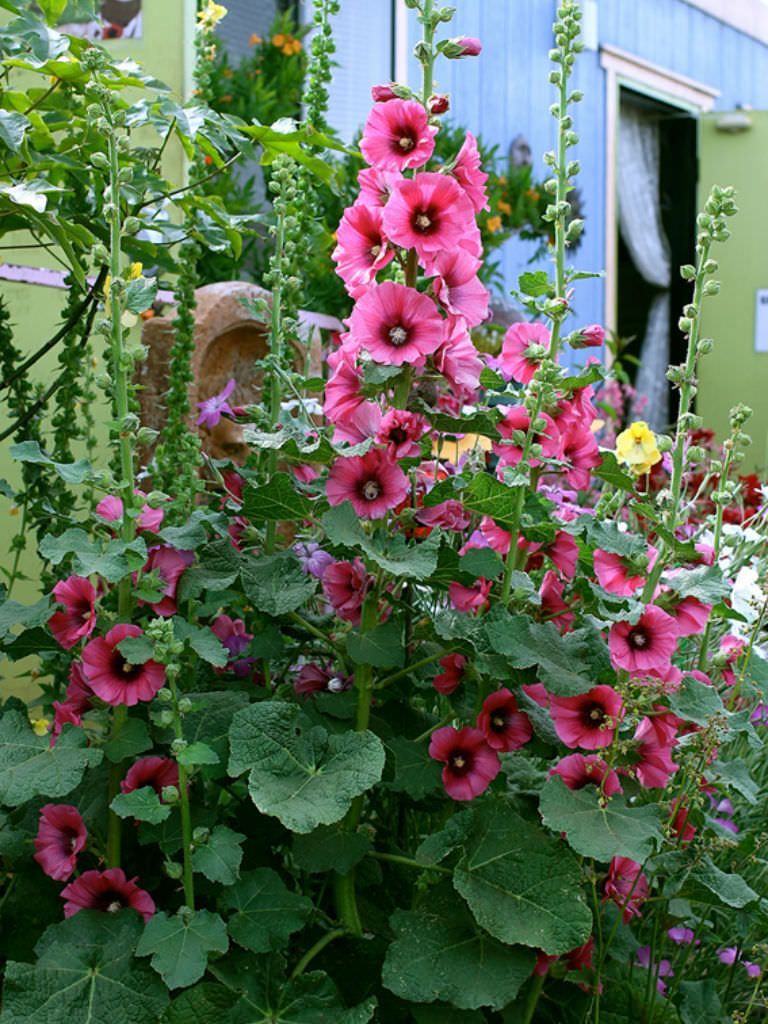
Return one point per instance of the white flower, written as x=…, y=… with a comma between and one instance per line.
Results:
x=747, y=597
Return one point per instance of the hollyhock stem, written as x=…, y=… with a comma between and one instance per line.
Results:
x=716, y=545
x=428, y=61
x=184, y=810
x=276, y=352
x=409, y=862
x=313, y=951
x=401, y=673
x=534, y=994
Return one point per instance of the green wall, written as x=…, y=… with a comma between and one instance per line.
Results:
x=734, y=372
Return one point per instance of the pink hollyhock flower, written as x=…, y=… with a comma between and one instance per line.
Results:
x=581, y=454
x=63, y=714
x=469, y=173
x=580, y=770
x=312, y=679
x=212, y=409
x=470, y=764
x=373, y=483
x=457, y=285
x=690, y=615
x=680, y=812
x=733, y=648
x=592, y=336
x=61, y=835
x=682, y=936
x=647, y=646
x=495, y=536
x=235, y=638
x=109, y=891
x=458, y=360
x=503, y=725
x=111, y=510
x=563, y=552
x=613, y=575
x=401, y=432
x=169, y=564
x=523, y=348
x=655, y=741
x=344, y=405
x=538, y=693
x=553, y=604
x=362, y=247
x=383, y=93
x=156, y=772
x=588, y=720
x=376, y=185
x=398, y=135
x=662, y=969
x=312, y=557
x=396, y=325
x=346, y=584
x=453, y=672
x=112, y=677
x=510, y=452
x=706, y=553
x=79, y=693
x=78, y=619
x=431, y=213
x=448, y=515
x=470, y=599
x=468, y=46
x=627, y=886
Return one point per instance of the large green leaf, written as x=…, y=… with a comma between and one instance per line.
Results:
x=266, y=912
x=142, y=804
x=700, y=1002
x=601, y=830
x=85, y=973
x=180, y=945
x=30, y=767
x=705, y=582
x=381, y=646
x=522, y=885
x=696, y=702
x=218, y=565
x=113, y=561
x=277, y=500
x=730, y=889
x=330, y=848
x=391, y=553
x=414, y=771
x=71, y=472
x=298, y=772
x=440, y=953
x=277, y=583
x=488, y=496
x=220, y=856
x=13, y=128
x=14, y=614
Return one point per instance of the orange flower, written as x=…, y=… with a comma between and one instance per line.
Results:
x=148, y=314
x=278, y=40
x=227, y=73
x=255, y=39
x=533, y=194
x=493, y=224
x=504, y=207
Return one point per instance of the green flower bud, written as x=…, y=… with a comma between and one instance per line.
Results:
x=169, y=795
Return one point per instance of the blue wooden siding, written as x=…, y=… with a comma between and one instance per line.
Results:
x=506, y=91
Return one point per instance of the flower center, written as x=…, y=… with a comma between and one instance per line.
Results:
x=127, y=667
x=375, y=250
x=405, y=143
x=594, y=714
x=460, y=762
x=638, y=638
x=398, y=335
x=498, y=721
x=114, y=907
x=422, y=221
x=398, y=435
x=371, y=490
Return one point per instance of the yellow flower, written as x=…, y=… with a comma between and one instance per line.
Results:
x=636, y=448
x=504, y=207
x=210, y=16
x=134, y=272
x=14, y=510
x=255, y=39
x=40, y=726
x=493, y=224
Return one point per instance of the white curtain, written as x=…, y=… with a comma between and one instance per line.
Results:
x=643, y=234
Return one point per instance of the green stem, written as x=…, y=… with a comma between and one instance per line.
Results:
x=408, y=862
x=716, y=544
x=276, y=353
x=184, y=809
x=401, y=673
x=318, y=947
x=534, y=994
x=561, y=195
x=428, y=36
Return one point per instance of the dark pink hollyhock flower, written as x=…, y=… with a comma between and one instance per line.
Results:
x=344, y=402
x=733, y=648
x=305, y=473
x=401, y=432
x=61, y=835
x=376, y=185
x=79, y=693
x=345, y=584
x=538, y=693
x=469, y=173
x=212, y=409
x=469, y=599
x=553, y=605
x=169, y=564
x=522, y=351
x=467, y=46
x=396, y=325
x=312, y=679
x=613, y=575
x=457, y=286
x=438, y=103
x=63, y=714
x=496, y=537
x=510, y=452
x=580, y=770
x=627, y=886
x=588, y=720
x=383, y=93
x=361, y=249
x=78, y=619
x=690, y=615
x=112, y=677
x=398, y=135
x=543, y=962
x=581, y=454
x=373, y=483
x=646, y=646
x=111, y=510
x=706, y=553
x=680, y=813
x=431, y=213
x=109, y=891
x=592, y=336
x=470, y=764
x=580, y=959
x=448, y=515
x=458, y=360
x=503, y=725
x=453, y=672
x=656, y=735
x=233, y=634
x=151, y=771
x=563, y=552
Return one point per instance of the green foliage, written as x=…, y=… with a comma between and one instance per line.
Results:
x=180, y=945
x=264, y=912
x=30, y=766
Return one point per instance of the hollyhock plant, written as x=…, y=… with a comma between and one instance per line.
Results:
x=447, y=515
x=627, y=886
x=61, y=835
x=645, y=646
x=400, y=431
x=430, y=214
x=467, y=170
x=362, y=248
x=588, y=720
x=113, y=677
x=503, y=725
x=78, y=619
x=108, y=891
x=156, y=772
x=169, y=564
x=516, y=419
x=449, y=679
x=398, y=136
x=373, y=483
x=580, y=770
x=458, y=360
x=396, y=325
x=524, y=347
x=346, y=584
x=457, y=285
x=470, y=764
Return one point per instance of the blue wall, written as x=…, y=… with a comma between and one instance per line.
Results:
x=506, y=91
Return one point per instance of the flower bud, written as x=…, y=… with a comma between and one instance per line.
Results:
x=169, y=795
x=382, y=93
x=592, y=336
x=438, y=103
x=461, y=46
x=100, y=160
x=173, y=870
x=201, y=835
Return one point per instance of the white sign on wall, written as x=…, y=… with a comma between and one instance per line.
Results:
x=761, y=320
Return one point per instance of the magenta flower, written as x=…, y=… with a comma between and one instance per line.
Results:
x=522, y=351
x=458, y=360
x=457, y=285
x=656, y=736
x=398, y=135
x=112, y=677
x=448, y=515
x=467, y=170
x=510, y=452
x=438, y=103
x=169, y=564
x=361, y=249
x=663, y=969
x=376, y=185
x=109, y=891
x=470, y=764
x=627, y=886
x=235, y=638
x=431, y=213
x=553, y=604
x=503, y=725
x=383, y=93
x=472, y=598
x=346, y=584
x=212, y=409
x=646, y=646
x=312, y=679
x=110, y=509
x=592, y=336
x=61, y=835
x=682, y=936
x=468, y=46
x=450, y=678
x=156, y=772
x=613, y=575
x=63, y=714
x=344, y=405
x=580, y=770
x=588, y=720
x=690, y=615
x=581, y=454
x=396, y=325
x=79, y=693
x=78, y=619
x=401, y=432
x=373, y=483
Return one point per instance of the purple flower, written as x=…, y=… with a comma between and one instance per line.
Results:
x=212, y=409
x=728, y=955
x=681, y=935
x=312, y=557
x=663, y=969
